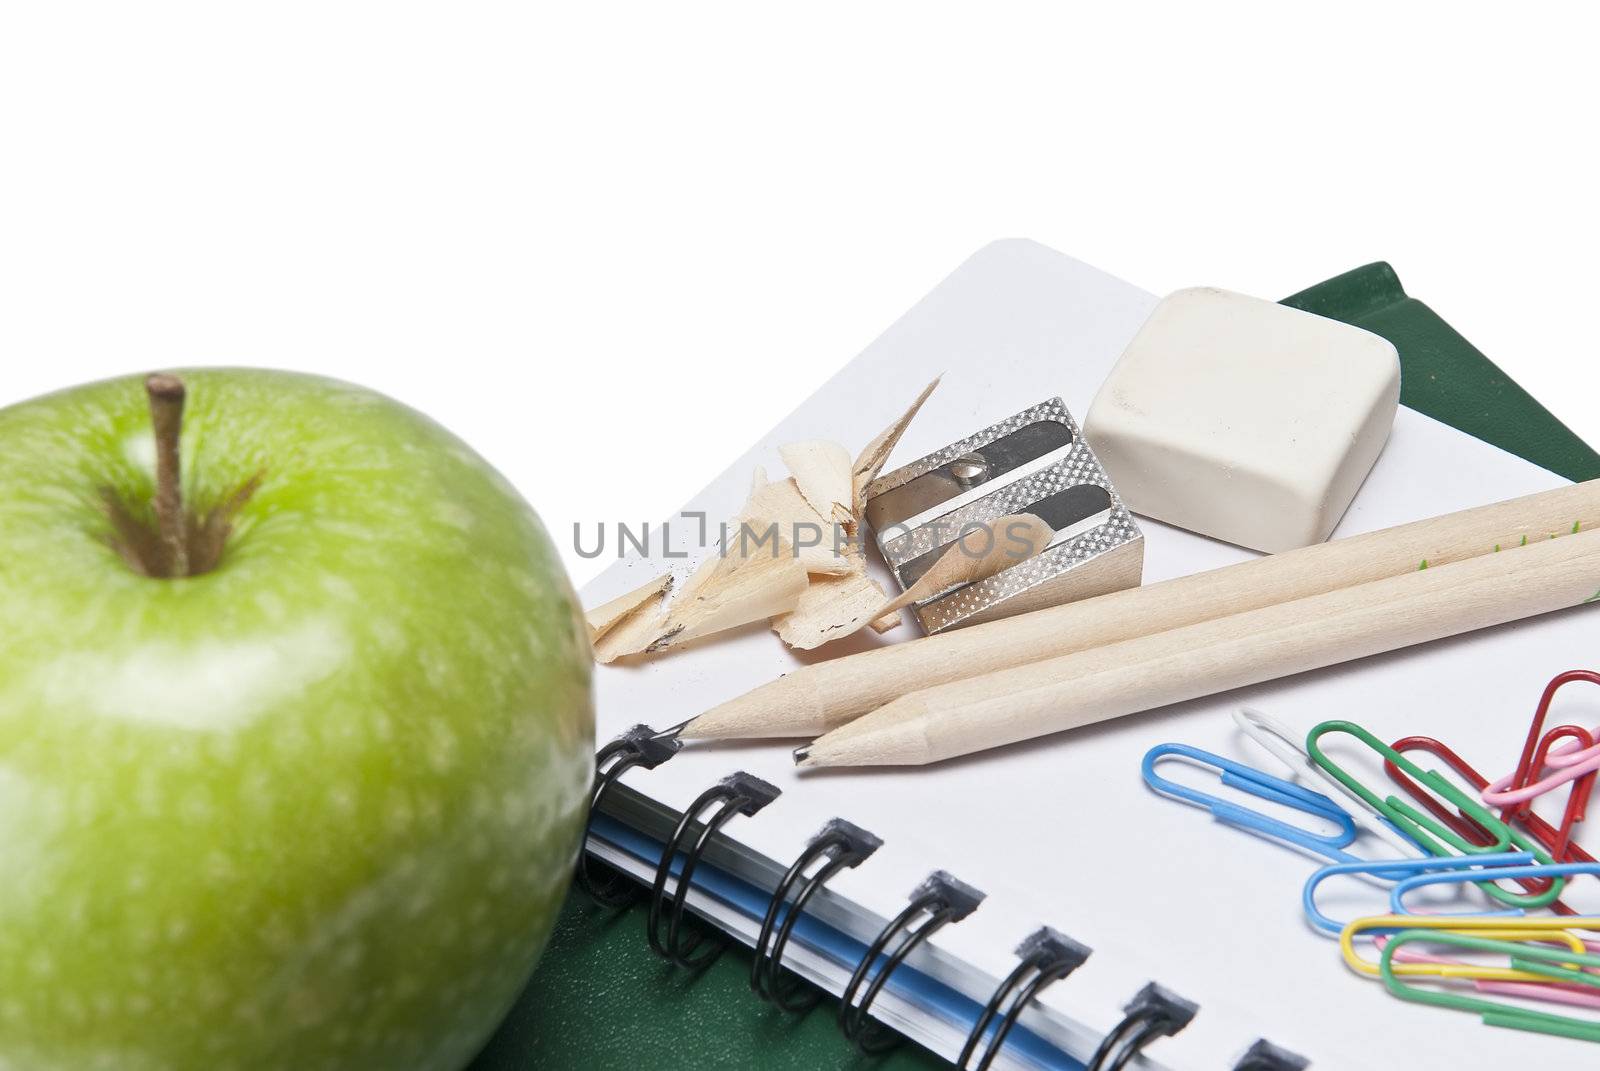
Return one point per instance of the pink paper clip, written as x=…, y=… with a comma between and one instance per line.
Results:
x=1579, y=759
x=1569, y=993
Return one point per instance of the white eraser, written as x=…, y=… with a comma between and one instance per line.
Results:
x=1243, y=419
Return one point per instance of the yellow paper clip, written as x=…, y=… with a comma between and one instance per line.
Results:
x=1486, y=926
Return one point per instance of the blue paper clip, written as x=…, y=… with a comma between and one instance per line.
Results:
x=1398, y=869
x=1263, y=786
x=1397, y=895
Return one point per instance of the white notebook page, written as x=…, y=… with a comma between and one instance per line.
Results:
x=1062, y=831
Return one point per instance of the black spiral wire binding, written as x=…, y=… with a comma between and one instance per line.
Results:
x=638, y=746
x=1046, y=957
x=938, y=901
x=839, y=846
x=736, y=794
x=1153, y=1013
x=1265, y=1056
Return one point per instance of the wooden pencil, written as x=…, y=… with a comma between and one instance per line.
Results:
x=814, y=699
x=1215, y=656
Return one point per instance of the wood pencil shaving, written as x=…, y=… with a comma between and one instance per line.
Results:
x=870, y=461
x=832, y=608
x=823, y=471
x=633, y=632
x=884, y=622
x=702, y=572
x=734, y=591
x=603, y=618
x=1009, y=541
x=780, y=511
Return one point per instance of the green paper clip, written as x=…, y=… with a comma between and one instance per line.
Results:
x=1422, y=827
x=1557, y=964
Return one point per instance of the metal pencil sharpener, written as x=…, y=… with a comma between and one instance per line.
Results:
x=1035, y=462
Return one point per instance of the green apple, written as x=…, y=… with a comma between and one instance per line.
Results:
x=312, y=803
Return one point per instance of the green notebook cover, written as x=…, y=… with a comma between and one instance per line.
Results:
x=1445, y=376
x=601, y=1000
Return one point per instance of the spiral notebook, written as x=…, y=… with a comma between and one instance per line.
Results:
x=1061, y=832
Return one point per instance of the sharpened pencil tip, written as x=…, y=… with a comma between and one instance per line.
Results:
x=801, y=754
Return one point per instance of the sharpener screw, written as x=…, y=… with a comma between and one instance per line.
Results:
x=969, y=469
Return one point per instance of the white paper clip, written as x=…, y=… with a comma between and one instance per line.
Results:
x=1279, y=741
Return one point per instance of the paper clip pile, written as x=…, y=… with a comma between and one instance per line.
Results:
x=1488, y=837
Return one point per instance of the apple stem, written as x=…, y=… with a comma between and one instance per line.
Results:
x=166, y=394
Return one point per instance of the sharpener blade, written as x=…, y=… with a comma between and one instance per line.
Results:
x=1034, y=462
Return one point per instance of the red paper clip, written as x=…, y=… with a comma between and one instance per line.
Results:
x=1535, y=755
x=1558, y=842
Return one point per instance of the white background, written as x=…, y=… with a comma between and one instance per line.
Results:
x=610, y=245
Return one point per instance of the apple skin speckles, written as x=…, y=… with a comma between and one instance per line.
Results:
x=315, y=808
x=209, y=685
